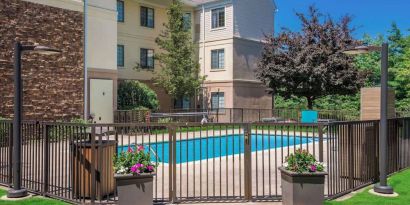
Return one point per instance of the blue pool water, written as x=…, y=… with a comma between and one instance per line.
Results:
x=215, y=147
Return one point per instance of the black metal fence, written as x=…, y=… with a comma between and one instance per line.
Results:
x=227, y=115
x=212, y=162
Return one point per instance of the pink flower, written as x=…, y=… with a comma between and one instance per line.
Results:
x=312, y=168
x=135, y=169
x=140, y=148
x=130, y=149
x=150, y=168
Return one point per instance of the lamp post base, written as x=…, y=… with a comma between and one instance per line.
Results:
x=12, y=193
x=383, y=189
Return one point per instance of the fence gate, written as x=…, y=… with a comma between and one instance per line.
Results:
x=235, y=162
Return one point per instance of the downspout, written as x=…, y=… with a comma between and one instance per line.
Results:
x=85, y=60
x=204, y=100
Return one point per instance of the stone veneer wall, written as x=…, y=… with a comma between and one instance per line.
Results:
x=53, y=85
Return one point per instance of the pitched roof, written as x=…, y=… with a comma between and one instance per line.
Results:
x=200, y=2
x=197, y=2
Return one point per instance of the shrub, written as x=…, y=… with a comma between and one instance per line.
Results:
x=133, y=95
x=165, y=120
x=134, y=161
x=63, y=132
x=302, y=161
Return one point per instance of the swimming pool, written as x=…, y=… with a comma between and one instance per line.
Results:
x=214, y=147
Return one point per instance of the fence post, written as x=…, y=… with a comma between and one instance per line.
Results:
x=46, y=160
x=320, y=132
x=242, y=115
x=259, y=115
x=248, y=161
x=92, y=166
x=351, y=157
x=10, y=167
x=217, y=114
x=172, y=175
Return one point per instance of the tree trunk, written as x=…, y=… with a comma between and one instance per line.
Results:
x=310, y=102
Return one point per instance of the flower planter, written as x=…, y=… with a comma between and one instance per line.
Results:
x=134, y=189
x=304, y=188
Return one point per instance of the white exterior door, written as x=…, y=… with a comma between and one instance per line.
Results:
x=101, y=100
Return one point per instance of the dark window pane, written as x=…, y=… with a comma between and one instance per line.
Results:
x=214, y=59
x=150, y=18
x=120, y=55
x=143, y=57
x=120, y=11
x=143, y=16
x=187, y=21
x=221, y=19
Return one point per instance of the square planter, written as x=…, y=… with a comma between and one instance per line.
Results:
x=134, y=189
x=304, y=188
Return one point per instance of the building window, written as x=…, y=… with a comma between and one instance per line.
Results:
x=182, y=103
x=120, y=55
x=218, y=18
x=147, y=17
x=217, y=100
x=120, y=11
x=187, y=21
x=218, y=59
x=147, y=58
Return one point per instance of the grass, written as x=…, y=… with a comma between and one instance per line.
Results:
x=30, y=201
x=401, y=184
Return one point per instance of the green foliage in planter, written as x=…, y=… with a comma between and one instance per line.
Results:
x=302, y=161
x=134, y=95
x=134, y=161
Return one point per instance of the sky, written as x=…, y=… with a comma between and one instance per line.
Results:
x=372, y=17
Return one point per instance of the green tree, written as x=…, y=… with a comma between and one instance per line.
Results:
x=135, y=95
x=310, y=63
x=370, y=63
x=399, y=65
x=179, y=74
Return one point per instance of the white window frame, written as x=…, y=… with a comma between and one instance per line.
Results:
x=219, y=100
x=224, y=63
x=153, y=61
x=153, y=17
x=221, y=27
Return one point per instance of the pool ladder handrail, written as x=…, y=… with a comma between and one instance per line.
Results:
x=155, y=154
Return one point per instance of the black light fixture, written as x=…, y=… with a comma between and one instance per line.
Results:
x=382, y=187
x=17, y=191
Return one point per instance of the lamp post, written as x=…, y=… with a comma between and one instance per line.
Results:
x=272, y=92
x=382, y=187
x=17, y=191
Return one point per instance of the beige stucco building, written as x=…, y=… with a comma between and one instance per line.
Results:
x=121, y=34
x=228, y=34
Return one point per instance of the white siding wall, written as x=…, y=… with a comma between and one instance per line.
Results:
x=253, y=18
x=219, y=33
